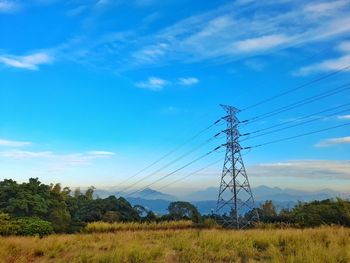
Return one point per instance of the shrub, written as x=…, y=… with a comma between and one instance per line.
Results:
x=33, y=226
x=7, y=227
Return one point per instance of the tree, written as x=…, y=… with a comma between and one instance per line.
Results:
x=267, y=212
x=184, y=210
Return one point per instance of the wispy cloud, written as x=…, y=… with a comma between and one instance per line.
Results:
x=260, y=43
x=310, y=169
x=333, y=142
x=8, y=6
x=30, y=62
x=101, y=153
x=101, y=3
x=150, y=54
x=153, y=83
x=77, y=10
x=329, y=64
x=17, y=154
x=217, y=34
x=325, y=7
x=230, y=32
x=11, y=143
x=344, y=117
x=188, y=81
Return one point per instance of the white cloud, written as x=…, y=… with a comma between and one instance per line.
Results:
x=153, y=83
x=260, y=43
x=69, y=157
x=30, y=62
x=255, y=65
x=230, y=33
x=344, y=117
x=327, y=65
x=333, y=142
x=330, y=64
x=151, y=53
x=310, y=169
x=16, y=154
x=325, y=7
x=9, y=143
x=188, y=81
x=102, y=153
x=102, y=2
x=77, y=10
x=8, y=6
x=344, y=47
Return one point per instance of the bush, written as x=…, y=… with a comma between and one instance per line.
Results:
x=32, y=226
x=7, y=227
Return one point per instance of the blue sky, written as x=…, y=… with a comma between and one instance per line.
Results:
x=93, y=91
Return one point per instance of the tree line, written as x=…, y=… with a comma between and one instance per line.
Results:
x=34, y=208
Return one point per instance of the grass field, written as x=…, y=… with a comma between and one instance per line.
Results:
x=326, y=244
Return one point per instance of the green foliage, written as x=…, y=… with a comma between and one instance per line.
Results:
x=267, y=212
x=33, y=208
x=7, y=227
x=51, y=203
x=324, y=212
x=32, y=226
x=184, y=210
x=111, y=217
x=312, y=214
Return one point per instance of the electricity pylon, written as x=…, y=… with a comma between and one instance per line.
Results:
x=235, y=195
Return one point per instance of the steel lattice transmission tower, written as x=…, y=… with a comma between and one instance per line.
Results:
x=235, y=196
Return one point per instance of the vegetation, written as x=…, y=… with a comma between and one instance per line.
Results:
x=313, y=214
x=102, y=227
x=325, y=244
x=34, y=208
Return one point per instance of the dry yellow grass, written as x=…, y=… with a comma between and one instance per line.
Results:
x=102, y=227
x=326, y=244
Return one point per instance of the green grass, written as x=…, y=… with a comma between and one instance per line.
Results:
x=320, y=245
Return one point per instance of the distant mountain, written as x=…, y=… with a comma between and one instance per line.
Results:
x=151, y=194
x=262, y=193
x=147, y=193
x=205, y=200
x=204, y=207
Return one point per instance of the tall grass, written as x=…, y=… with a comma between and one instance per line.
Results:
x=102, y=227
x=320, y=245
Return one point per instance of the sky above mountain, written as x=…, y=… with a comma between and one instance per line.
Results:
x=93, y=91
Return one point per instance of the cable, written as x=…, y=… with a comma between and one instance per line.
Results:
x=298, y=87
x=190, y=174
x=184, y=177
x=172, y=162
x=298, y=119
x=295, y=125
x=298, y=103
x=297, y=136
x=171, y=152
x=175, y=171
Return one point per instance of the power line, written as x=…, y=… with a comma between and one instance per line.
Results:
x=299, y=103
x=295, y=125
x=171, y=162
x=190, y=174
x=184, y=177
x=297, y=88
x=297, y=136
x=298, y=119
x=175, y=171
x=170, y=152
